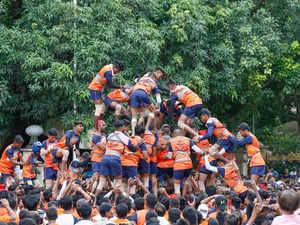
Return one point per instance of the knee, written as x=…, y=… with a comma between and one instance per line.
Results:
x=65, y=154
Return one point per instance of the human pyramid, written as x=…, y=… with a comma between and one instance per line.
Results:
x=142, y=153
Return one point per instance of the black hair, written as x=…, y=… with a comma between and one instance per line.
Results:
x=211, y=190
x=159, y=68
x=221, y=217
x=139, y=130
x=244, y=126
x=104, y=208
x=150, y=214
x=171, y=82
x=66, y=202
x=85, y=155
x=122, y=210
x=232, y=219
x=139, y=203
x=31, y=202
x=174, y=203
x=151, y=201
x=165, y=201
x=205, y=112
x=118, y=124
x=78, y=123
x=236, y=202
x=52, y=204
x=125, y=117
x=120, y=66
x=182, y=203
x=200, y=217
x=52, y=132
x=18, y=139
x=182, y=222
x=160, y=209
x=11, y=223
x=174, y=215
x=27, y=221
x=51, y=213
x=213, y=221
x=47, y=194
x=190, y=214
x=83, y=208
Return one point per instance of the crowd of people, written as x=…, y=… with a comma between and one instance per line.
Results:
x=143, y=172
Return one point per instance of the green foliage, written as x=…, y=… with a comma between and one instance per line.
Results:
x=245, y=66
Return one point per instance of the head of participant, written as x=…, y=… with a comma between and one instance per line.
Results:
x=220, y=203
x=36, y=148
x=101, y=125
x=159, y=71
x=18, y=142
x=163, y=142
x=177, y=132
x=171, y=85
x=52, y=135
x=84, y=209
x=204, y=115
x=126, y=121
x=78, y=126
x=105, y=210
x=244, y=129
x=288, y=201
x=139, y=130
x=119, y=125
x=118, y=66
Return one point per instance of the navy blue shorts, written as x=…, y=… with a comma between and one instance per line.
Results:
x=144, y=167
x=129, y=171
x=153, y=168
x=28, y=179
x=257, y=170
x=192, y=111
x=181, y=174
x=243, y=195
x=95, y=95
x=162, y=172
x=50, y=173
x=111, y=166
x=226, y=144
x=107, y=102
x=204, y=170
x=6, y=175
x=96, y=167
x=139, y=98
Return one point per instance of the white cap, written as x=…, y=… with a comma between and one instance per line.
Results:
x=203, y=209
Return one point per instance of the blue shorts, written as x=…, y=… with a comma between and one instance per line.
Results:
x=96, y=167
x=204, y=170
x=139, y=98
x=243, y=195
x=162, y=172
x=226, y=144
x=95, y=95
x=111, y=166
x=50, y=173
x=28, y=179
x=144, y=167
x=6, y=175
x=129, y=171
x=181, y=174
x=153, y=168
x=192, y=111
x=107, y=102
x=257, y=170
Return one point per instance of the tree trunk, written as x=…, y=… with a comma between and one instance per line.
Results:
x=16, y=6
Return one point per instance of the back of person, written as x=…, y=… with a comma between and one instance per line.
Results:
x=66, y=219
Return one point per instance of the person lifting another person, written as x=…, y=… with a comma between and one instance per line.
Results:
x=103, y=77
x=191, y=101
x=140, y=99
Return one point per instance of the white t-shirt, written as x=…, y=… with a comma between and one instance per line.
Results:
x=85, y=222
x=162, y=220
x=65, y=219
